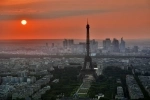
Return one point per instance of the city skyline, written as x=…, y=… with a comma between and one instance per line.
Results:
x=55, y=19
x=74, y=50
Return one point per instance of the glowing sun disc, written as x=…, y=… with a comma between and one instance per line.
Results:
x=23, y=22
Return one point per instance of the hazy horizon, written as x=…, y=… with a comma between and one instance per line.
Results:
x=42, y=42
x=75, y=39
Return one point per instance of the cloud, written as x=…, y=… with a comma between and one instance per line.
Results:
x=33, y=14
x=50, y=15
x=50, y=9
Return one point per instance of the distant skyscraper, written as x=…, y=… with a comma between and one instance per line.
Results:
x=104, y=44
x=65, y=43
x=53, y=45
x=115, y=45
x=107, y=44
x=122, y=45
x=68, y=42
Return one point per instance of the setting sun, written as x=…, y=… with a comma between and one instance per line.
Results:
x=23, y=22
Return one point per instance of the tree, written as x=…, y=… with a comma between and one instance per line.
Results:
x=102, y=98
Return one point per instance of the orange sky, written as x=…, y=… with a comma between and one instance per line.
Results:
x=55, y=19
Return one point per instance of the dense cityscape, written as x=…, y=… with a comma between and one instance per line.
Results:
x=74, y=49
x=19, y=75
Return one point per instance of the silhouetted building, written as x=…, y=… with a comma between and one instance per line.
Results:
x=122, y=45
x=71, y=42
x=107, y=44
x=83, y=43
x=68, y=42
x=104, y=44
x=53, y=45
x=65, y=43
x=115, y=45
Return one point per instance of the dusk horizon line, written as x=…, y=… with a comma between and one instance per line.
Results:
x=77, y=39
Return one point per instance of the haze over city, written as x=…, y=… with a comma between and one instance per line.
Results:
x=59, y=19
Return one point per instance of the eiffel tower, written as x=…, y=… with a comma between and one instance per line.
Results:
x=87, y=68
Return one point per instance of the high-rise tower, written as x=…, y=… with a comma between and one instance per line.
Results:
x=87, y=68
x=122, y=45
x=115, y=45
